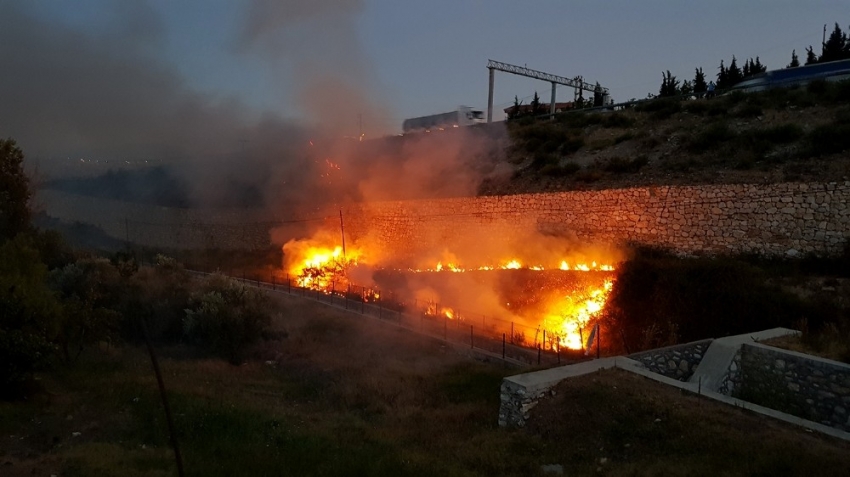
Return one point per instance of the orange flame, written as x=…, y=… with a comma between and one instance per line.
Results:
x=569, y=316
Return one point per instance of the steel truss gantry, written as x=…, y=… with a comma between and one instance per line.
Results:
x=577, y=83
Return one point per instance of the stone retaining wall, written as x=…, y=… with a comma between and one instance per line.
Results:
x=677, y=362
x=785, y=219
x=807, y=386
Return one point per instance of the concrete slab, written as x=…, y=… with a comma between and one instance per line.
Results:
x=545, y=379
x=717, y=358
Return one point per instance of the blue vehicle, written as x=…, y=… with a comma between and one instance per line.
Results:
x=799, y=76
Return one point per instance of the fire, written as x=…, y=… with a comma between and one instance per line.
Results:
x=517, y=265
x=319, y=267
x=569, y=316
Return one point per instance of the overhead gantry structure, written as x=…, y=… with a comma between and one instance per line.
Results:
x=577, y=83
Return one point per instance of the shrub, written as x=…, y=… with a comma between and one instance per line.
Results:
x=158, y=295
x=617, y=120
x=627, y=136
x=710, y=138
x=29, y=315
x=560, y=171
x=225, y=316
x=828, y=139
x=619, y=165
x=660, y=109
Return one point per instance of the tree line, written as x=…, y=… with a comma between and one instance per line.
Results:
x=835, y=48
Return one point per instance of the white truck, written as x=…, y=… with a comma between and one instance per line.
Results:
x=463, y=116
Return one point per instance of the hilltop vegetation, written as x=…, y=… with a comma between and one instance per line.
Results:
x=790, y=134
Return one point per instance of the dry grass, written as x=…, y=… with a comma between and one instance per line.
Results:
x=348, y=395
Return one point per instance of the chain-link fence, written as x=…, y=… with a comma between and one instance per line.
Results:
x=499, y=338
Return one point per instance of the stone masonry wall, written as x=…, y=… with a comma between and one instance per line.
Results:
x=812, y=388
x=677, y=362
x=784, y=219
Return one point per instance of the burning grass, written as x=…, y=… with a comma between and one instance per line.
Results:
x=557, y=300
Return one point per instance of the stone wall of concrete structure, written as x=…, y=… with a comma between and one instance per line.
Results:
x=785, y=219
x=677, y=362
x=807, y=386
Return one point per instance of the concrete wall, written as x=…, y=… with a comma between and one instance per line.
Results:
x=775, y=219
x=807, y=386
x=677, y=362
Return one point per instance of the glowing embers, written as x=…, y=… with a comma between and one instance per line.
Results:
x=569, y=316
x=515, y=264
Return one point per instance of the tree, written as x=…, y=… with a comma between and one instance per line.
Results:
x=686, y=89
x=14, y=191
x=735, y=75
x=699, y=82
x=795, y=62
x=811, y=57
x=835, y=46
x=598, y=97
x=535, y=104
x=669, y=85
x=515, y=111
x=722, y=77
x=759, y=68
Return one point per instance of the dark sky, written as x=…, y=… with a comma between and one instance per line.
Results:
x=161, y=79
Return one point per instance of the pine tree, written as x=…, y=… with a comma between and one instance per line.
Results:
x=722, y=77
x=535, y=105
x=834, y=47
x=699, y=83
x=515, y=109
x=597, y=95
x=686, y=89
x=811, y=58
x=795, y=62
x=734, y=73
x=669, y=85
x=14, y=191
x=759, y=68
x=747, y=71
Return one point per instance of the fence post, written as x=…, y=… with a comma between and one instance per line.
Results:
x=362, y=304
x=380, y=309
x=471, y=337
x=538, y=354
x=544, y=339
x=503, y=346
x=346, y=296
x=512, y=332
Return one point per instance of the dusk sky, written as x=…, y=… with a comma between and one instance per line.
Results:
x=381, y=61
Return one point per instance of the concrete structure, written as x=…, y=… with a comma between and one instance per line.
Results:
x=519, y=394
x=786, y=219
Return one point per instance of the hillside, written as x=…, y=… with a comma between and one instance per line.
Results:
x=797, y=134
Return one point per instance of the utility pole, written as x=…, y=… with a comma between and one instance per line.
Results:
x=490, y=95
x=342, y=232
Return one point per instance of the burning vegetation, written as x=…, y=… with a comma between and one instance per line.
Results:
x=553, y=304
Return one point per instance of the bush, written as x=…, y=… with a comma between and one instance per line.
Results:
x=617, y=120
x=828, y=139
x=225, y=316
x=620, y=165
x=660, y=109
x=158, y=295
x=627, y=136
x=710, y=138
x=556, y=170
x=29, y=314
x=692, y=299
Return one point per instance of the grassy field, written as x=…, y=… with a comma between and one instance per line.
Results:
x=340, y=394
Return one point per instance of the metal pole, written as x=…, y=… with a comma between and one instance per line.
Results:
x=544, y=339
x=164, y=397
x=552, y=102
x=598, y=332
x=490, y=96
x=538, y=354
x=512, y=332
x=342, y=233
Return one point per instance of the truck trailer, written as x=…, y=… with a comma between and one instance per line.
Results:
x=463, y=116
